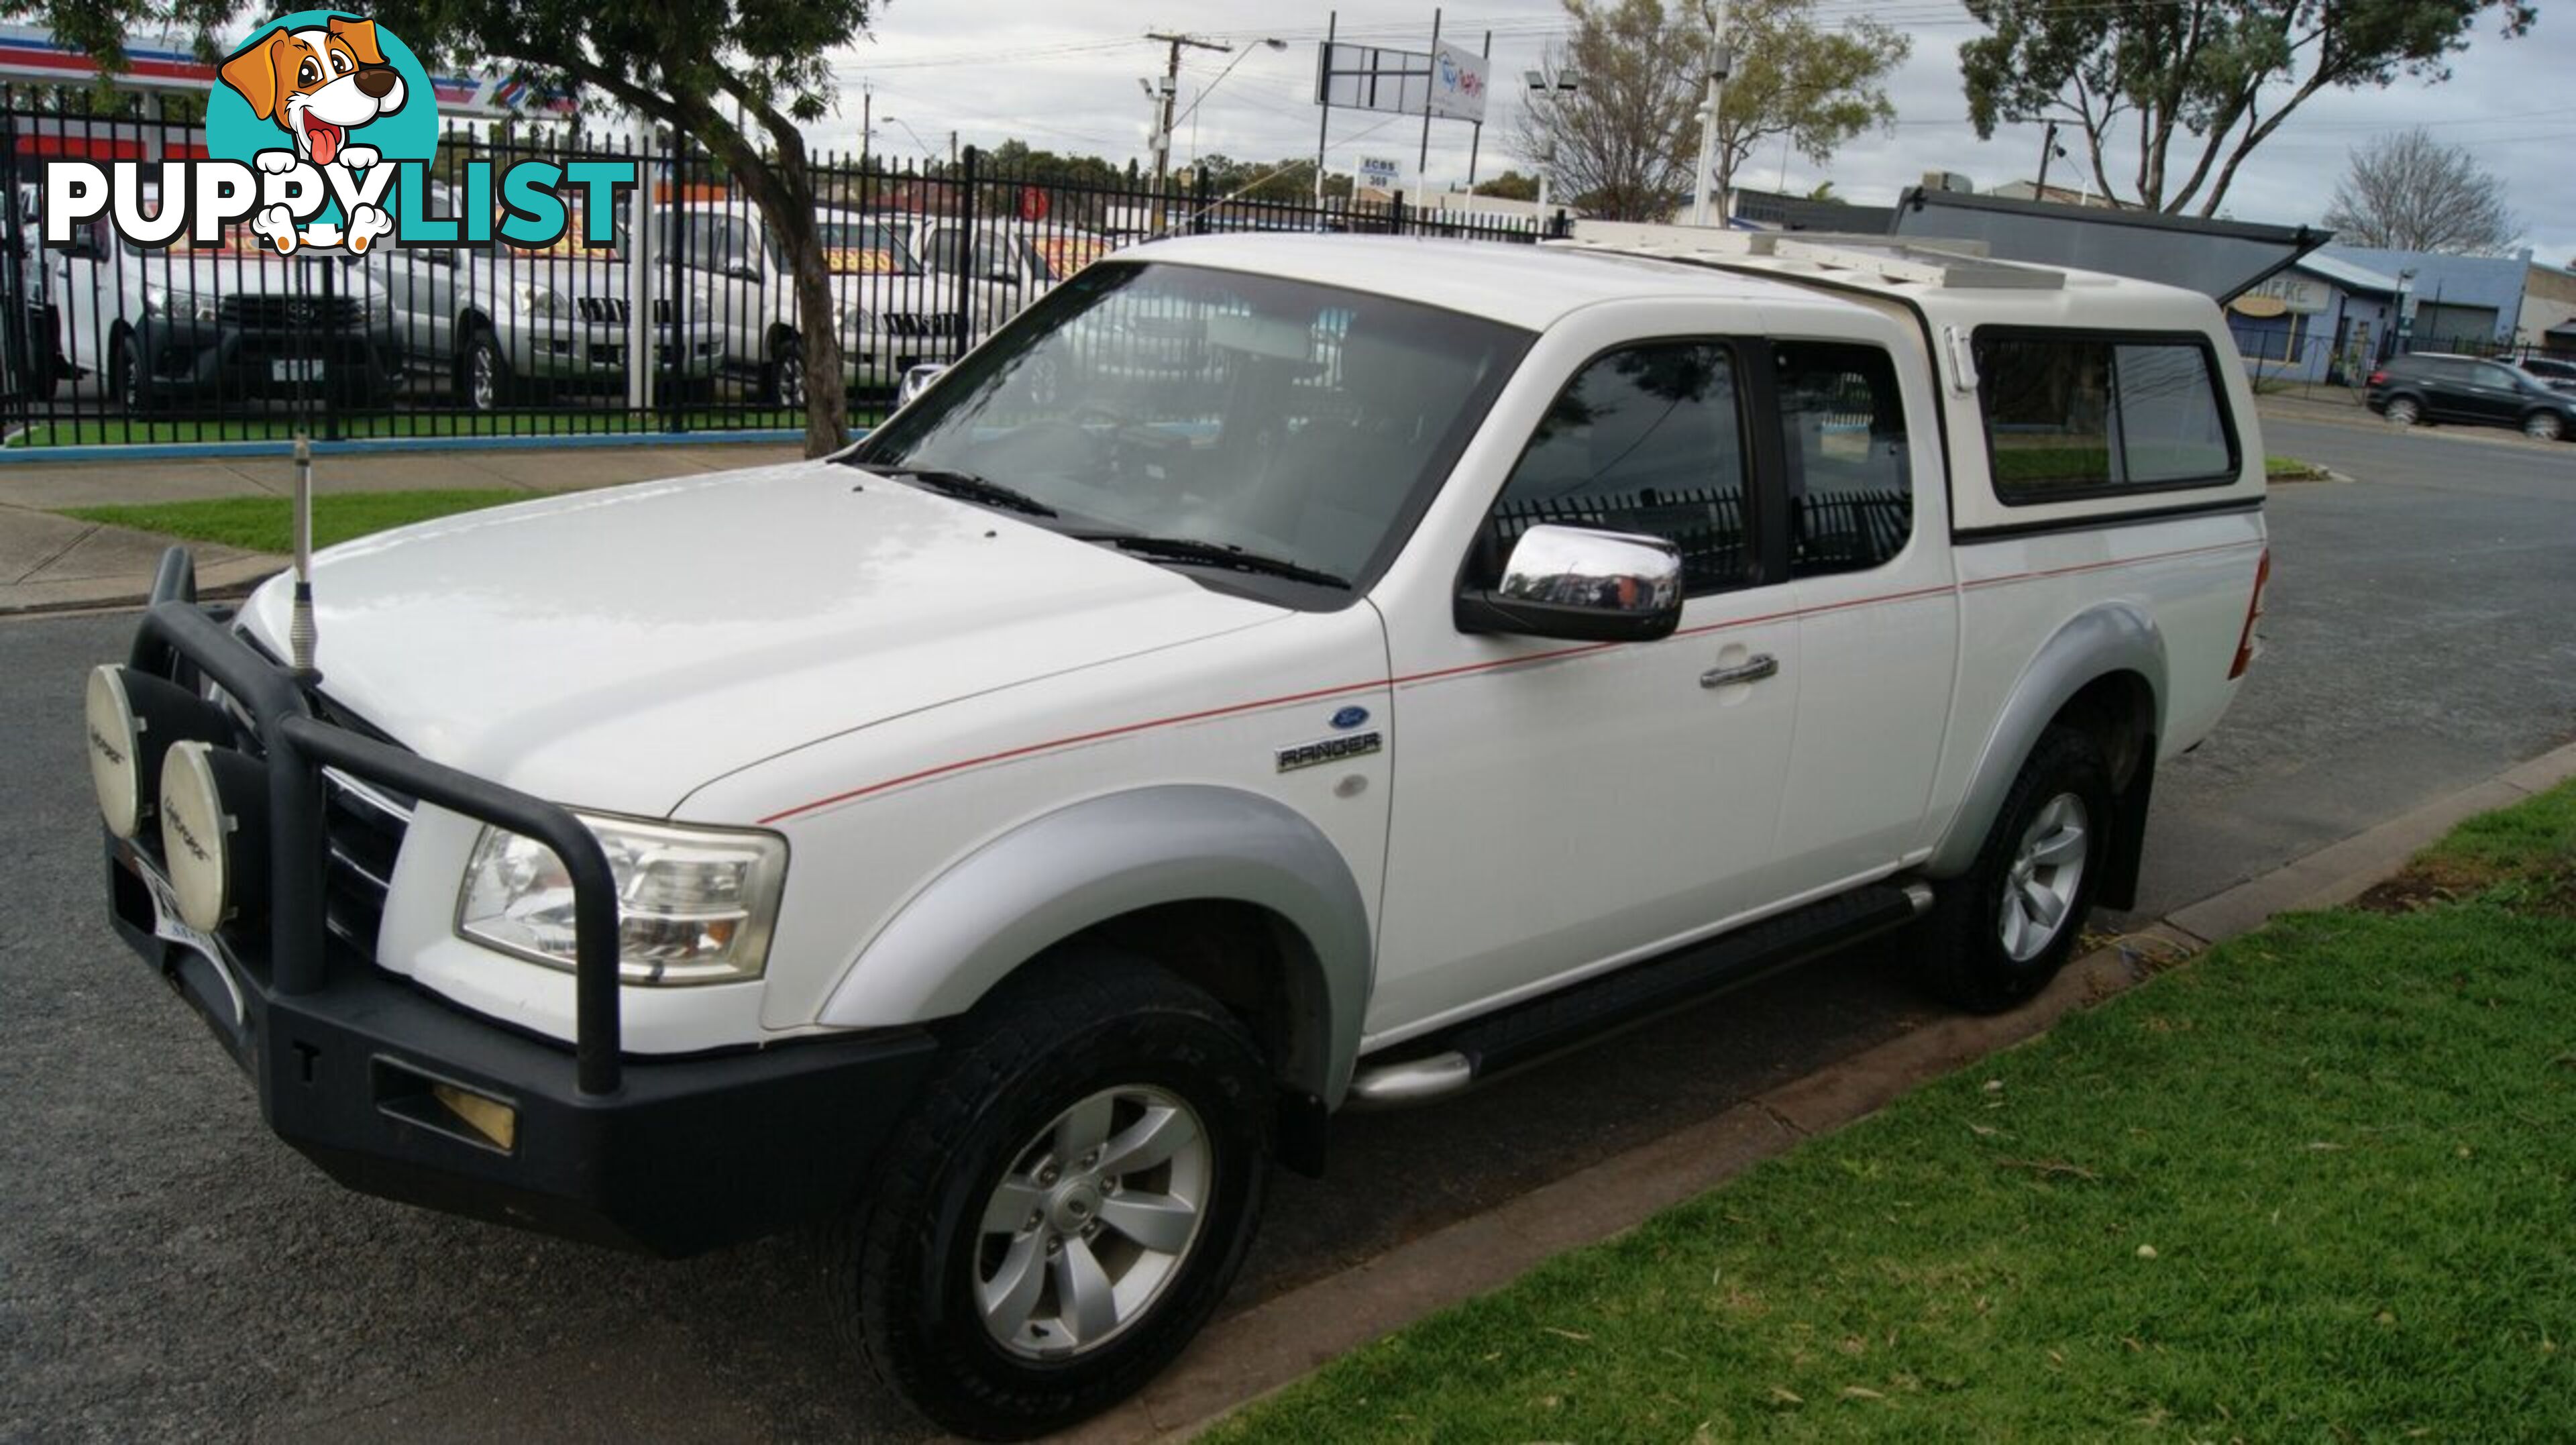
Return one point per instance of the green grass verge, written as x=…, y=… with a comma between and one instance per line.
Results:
x=2291, y=469
x=2317, y=1186
x=266, y=524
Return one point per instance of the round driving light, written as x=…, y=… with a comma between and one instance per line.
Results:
x=213, y=841
x=132, y=719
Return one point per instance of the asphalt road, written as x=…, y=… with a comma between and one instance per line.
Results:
x=168, y=1270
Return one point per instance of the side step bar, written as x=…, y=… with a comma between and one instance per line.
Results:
x=1526, y=1033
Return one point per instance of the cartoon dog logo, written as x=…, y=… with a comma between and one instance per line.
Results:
x=319, y=85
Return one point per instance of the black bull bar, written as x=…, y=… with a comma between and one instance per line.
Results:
x=176, y=634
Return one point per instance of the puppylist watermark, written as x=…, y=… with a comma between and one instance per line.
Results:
x=322, y=138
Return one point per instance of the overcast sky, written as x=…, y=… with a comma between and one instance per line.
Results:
x=1063, y=76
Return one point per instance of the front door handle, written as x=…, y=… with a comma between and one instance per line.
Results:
x=1760, y=666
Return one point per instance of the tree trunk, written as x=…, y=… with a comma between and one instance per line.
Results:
x=783, y=192
x=782, y=186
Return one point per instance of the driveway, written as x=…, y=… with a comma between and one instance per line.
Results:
x=169, y=1270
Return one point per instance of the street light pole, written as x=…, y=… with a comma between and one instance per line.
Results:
x=926, y=152
x=1541, y=88
x=1706, y=180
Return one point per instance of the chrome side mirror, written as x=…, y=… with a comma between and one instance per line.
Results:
x=916, y=380
x=1583, y=585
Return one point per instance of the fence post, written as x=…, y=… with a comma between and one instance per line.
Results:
x=17, y=328
x=673, y=170
x=965, y=289
x=1395, y=215
x=1198, y=201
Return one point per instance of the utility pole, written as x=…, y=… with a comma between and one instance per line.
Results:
x=867, y=121
x=1163, y=124
x=2047, y=148
x=1706, y=180
x=1324, y=97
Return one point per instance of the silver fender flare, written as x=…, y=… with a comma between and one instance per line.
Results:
x=1051, y=878
x=2110, y=637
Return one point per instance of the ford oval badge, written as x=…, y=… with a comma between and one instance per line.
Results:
x=1350, y=717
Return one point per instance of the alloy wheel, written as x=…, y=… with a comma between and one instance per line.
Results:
x=1093, y=1218
x=2047, y=871
x=482, y=378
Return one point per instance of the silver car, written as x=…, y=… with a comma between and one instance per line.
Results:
x=500, y=320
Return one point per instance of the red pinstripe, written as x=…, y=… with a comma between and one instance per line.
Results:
x=1437, y=674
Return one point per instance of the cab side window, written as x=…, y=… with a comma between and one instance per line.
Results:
x=1647, y=438
x=946, y=253
x=2070, y=415
x=1850, y=482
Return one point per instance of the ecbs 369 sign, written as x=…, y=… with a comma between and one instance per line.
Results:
x=320, y=139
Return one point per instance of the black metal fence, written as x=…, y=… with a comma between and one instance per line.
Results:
x=107, y=342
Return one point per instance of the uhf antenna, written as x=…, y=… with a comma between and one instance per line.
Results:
x=299, y=636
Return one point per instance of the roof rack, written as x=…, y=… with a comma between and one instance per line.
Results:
x=1949, y=265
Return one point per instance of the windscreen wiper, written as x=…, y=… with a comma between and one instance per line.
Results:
x=1214, y=554
x=961, y=484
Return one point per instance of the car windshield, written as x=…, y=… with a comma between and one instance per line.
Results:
x=1295, y=422
x=865, y=248
x=1061, y=254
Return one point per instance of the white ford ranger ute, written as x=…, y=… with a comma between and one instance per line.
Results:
x=998, y=842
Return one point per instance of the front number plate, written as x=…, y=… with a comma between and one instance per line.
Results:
x=168, y=925
x=295, y=368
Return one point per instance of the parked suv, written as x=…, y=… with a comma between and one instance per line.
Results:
x=2549, y=369
x=501, y=320
x=2434, y=386
x=1002, y=839
x=33, y=350
x=1000, y=265
x=892, y=312
x=230, y=319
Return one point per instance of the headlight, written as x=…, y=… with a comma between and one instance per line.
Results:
x=694, y=905
x=542, y=301
x=178, y=303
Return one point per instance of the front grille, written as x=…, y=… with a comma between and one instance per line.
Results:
x=615, y=309
x=362, y=826
x=921, y=323
x=281, y=313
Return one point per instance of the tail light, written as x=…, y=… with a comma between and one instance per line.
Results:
x=2245, y=647
x=2377, y=378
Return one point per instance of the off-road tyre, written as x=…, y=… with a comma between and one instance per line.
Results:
x=1965, y=960
x=902, y=1266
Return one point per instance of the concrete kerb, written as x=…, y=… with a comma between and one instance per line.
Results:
x=1275, y=1343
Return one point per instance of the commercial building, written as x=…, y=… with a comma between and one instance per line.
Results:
x=2321, y=320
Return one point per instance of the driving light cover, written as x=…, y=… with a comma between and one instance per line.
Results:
x=131, y=719
x=213, y=832
x=694, y=905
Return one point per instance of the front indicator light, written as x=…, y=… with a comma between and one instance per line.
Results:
x=694, y=905
x=492, y=1119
